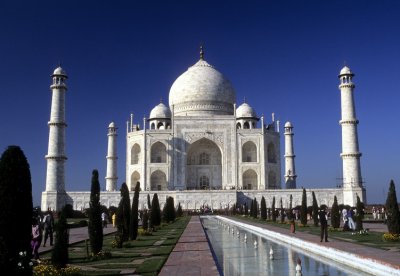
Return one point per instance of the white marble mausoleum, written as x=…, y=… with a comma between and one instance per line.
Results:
x=202, y=149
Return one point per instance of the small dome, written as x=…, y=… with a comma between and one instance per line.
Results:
x=345, y=71
x=59, y=71
x=245, y=111
x=160, y=111
x=288, y=124
x=112, y=124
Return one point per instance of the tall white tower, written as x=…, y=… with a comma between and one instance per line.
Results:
x=290, y=171
x=111, y=178
x=54, y=195
x=352, y=180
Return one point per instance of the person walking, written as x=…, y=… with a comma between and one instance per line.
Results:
x=323, y=220
x=48, y=228
x=36, y=238
x=352, y=224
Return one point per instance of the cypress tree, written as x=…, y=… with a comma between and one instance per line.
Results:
x=95, y=226
x=273, y=210
x=59, y=254
x=15, y=209
x=155, y=214
x=392, y=210
x=148, y=202
x=290, y=211
x=134, y=214
x=246, y=210
x=335, y=214
x=145, y=219
x=303, y=208
x=314, y=209
x=251, y=214
x=263, y=209
x=123, y=215
x=360, y=214
x=169, y=210
x=282, y=212
x=179, y=211
x=255, y=208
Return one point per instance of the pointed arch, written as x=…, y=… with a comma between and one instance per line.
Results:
x=250, y=180
x=135, y=154
x=135, y=177
x=204, y=159
x=249, y=152
x=158, y=153
x=158, y=181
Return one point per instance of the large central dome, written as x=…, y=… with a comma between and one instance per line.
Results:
x=202, y=91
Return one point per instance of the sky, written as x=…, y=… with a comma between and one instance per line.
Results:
x=122, y=57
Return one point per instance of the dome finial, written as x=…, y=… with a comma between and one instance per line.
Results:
x=201, y=52
x=160, y=99
x=244, y=99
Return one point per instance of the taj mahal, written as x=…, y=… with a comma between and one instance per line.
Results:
x=203, y=149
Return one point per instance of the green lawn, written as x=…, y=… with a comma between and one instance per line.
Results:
x=145, y=256
x=372, y=239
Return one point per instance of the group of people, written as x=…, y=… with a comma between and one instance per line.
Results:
x=41, y=226
x=378, y=213
x=348, y=221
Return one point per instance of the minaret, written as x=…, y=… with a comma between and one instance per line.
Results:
x=290, y=171
x=111, y=178
x=352, y=180
x=55, y=176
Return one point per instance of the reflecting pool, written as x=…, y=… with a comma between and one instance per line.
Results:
x=241, y=252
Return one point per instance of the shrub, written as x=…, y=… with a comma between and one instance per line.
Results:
x=273, y=210
x=290, y=210
x=123, y=216
x=314, y=209
x=134, y=214
x=59, y=256
x=145, y=220
x=15, y=209
x=155, y=214
x=360, y=214
x=391, y=237
x=335, y=214
x=169, y=210
x=303, y=208
x=95, y=227
x=263, y=209
x=179, y=211
x=392, y=209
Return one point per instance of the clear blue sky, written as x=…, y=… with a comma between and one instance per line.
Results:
x=123, y=56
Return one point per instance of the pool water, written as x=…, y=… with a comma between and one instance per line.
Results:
x=236, y=255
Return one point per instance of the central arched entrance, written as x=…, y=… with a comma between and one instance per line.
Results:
x=204, y=166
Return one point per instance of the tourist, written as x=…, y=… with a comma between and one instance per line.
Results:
x=48, y=228
x=114, y=217
x=36, y=238
x=104, y=219
x=352, y=224
x=323, y=220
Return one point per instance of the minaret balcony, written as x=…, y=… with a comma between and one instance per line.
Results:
x=351, y=155
x=349, y=122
